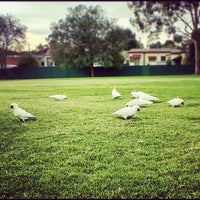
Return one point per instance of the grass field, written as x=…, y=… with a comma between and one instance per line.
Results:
x=77, y=148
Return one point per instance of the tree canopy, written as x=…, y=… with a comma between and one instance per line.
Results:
x=12, y=37
x=86, y=36
x=180, y=18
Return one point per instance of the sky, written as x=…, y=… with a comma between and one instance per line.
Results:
x=39, y=15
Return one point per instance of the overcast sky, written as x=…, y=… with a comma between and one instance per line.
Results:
x=38, y=16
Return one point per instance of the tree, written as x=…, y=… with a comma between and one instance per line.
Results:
x=169, y=44
x=190, y=53
x=118, y=39
x=28, y=61
x=155, y=45
x=81, y=38
x=174, y=17
x=40, y=49
x=12, y=35
x=122, y=38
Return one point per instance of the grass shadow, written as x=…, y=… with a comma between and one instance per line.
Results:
x=193, y=104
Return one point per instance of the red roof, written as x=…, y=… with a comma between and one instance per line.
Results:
x=48, y=52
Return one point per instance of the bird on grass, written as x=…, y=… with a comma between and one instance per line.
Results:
x=21, y=114
x=115, y=93
x=58, y=97
x=136, y=95
x=127, y=112
x=139, y=102
x=176, y=102
x=148, y=97
x=143, y=95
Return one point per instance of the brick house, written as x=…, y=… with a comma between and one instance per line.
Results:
x=12, y=60
x=45, y=59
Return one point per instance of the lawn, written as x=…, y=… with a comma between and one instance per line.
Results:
x=77, y=148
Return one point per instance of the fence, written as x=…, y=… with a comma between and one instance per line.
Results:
x=58, y=72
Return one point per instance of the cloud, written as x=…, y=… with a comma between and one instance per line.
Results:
x=33, y=40
x=38, y=16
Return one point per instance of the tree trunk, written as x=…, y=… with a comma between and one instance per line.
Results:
x=197, y=56
x=3, y=63
x=92, y=70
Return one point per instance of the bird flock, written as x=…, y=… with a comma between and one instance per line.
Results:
x=139, y=99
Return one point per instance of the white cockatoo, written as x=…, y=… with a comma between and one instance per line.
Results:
x=21, y=114
x=175, y=102
x=143, y=95
x=148, y=97
x=139, y=102
x=58, y=97
x=115, y=93
x=127, y=112
x=136, y=95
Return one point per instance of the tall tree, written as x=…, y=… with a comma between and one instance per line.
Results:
x=12, y=37
x=41, y=48
x=122, y=38
x=80, y=39
x=119, y=39
x=182, y=17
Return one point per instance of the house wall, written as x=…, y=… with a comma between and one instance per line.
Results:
x=45, y=61
x=12, y=60
x=146, y=58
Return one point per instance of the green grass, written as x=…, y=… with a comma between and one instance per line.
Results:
x=78, y=149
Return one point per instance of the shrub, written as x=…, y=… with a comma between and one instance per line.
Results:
x=28, y=61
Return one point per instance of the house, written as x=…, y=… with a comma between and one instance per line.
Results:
x=12, y=60
x=132, y=57
x=153, y=56
x=45, y=59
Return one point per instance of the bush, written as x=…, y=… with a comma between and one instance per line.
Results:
x=28, y=61
x=177, y=60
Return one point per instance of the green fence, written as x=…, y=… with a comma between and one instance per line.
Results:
x=58, y=72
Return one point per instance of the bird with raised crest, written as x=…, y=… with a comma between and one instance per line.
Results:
x=20, y=113
x=115, y=93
